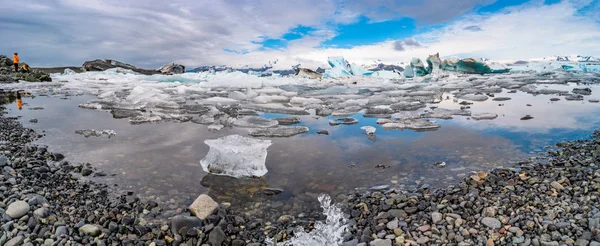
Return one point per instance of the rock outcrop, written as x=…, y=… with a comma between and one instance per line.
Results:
x=8, y=75
x=105, y=64
x=102, y=65
x=307, y=73
x=172, y=68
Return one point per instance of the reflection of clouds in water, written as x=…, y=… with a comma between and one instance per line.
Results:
x=575, y=115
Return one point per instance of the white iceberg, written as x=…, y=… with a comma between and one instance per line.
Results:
x=236, y=156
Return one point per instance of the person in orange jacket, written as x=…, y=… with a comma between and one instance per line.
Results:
x=16, y=61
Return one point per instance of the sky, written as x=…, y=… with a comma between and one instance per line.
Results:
x=254, y=33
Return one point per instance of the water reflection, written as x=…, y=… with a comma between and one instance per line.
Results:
x=161, y=161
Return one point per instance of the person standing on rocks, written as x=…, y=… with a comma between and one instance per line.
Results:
x=16, y=61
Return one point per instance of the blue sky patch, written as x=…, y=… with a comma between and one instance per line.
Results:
x=366, y=32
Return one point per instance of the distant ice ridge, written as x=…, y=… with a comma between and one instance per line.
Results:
x=328, y=233
x=236, y=156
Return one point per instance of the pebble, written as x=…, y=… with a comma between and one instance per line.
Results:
x=17, y=209
x=491, y=222
x=436, y=217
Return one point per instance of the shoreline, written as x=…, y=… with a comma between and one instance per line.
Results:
x=394, y=217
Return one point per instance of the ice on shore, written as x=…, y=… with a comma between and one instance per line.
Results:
x=236, y=156
x=328, y=232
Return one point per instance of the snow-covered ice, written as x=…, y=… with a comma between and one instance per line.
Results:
x=369, y=130
x=236, y=156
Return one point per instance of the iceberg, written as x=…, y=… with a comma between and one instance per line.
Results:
x=441, y=113
x=282, y=131
x=341, y=68
x=418, y=67
x=236, y=156
x=471, y=66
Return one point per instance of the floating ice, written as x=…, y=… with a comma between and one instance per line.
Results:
x=236, y=156
x=330, y=232
x=255, y=122
x=288, y=120
x=341, y=68
x=484, y=116
x=281, y=131
x=473, y=97
x=442, y=113
x=96, y=133
x=369, y=130
x=343, y=121
x=276, y=109
x=270, y=99
x=412, y=124
x=215, y=127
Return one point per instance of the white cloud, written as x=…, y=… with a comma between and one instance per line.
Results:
x=150, y=33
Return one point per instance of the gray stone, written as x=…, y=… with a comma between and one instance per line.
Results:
x=392, y=224
x=553, y=243
x=90, y=230
x=15, y=241
x=350, y=243
x=556, y=186
x=17, y=209
x=41, y=213
x=181, y=221
x=381, y=242
x=436, y=217
x=491, y=222
x=216, y=236
x=203, y=207
x=60, y=231
x=4, y=161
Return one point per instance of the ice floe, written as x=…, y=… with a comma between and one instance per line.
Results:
x=236, y=156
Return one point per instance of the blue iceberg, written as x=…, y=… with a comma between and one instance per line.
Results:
x=341, y=68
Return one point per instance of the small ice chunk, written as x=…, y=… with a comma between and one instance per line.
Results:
x=288, y=120
x=484, y=116
x=144, y=119
x=255, y=122
x=219, y=101
x=413, y=124
x=91, y=105
x=270, y=99
x=282, y=131
x=369, y=130
x=384, y=121
x=323, y=112
x=237, y=95
x=236, y=156
x=474, y=97
x=204, y=120
x=305, y=101
x=442, y=113
x=96, y=133
x=276, y=109
x=407, y=106
x=215, y=127
x=343, y=121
